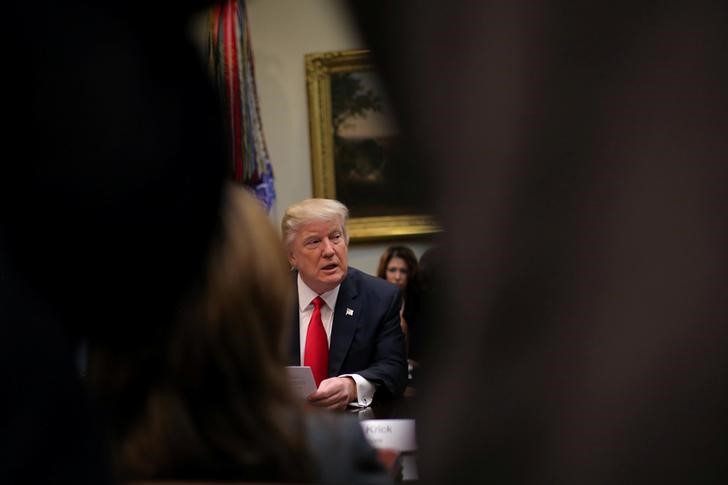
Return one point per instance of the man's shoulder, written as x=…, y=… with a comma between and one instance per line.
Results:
x=367, y=282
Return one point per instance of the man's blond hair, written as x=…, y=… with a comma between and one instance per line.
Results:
x=310, y=210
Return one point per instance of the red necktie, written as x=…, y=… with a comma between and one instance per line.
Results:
x=316, y=353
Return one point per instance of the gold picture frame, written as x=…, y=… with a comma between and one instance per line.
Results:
x=365, y=105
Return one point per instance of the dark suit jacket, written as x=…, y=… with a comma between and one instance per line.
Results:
x=369, y=342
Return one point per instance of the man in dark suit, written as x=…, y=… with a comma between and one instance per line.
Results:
x=354, y=317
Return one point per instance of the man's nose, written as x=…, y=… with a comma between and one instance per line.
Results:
x=327, y=247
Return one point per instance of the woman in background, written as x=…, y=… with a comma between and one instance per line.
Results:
x=207, y=397
x=398, y=265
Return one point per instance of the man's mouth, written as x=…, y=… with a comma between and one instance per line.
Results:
x=330, y=267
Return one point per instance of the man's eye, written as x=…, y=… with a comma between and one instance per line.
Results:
x=335, y=236
x=312, y=243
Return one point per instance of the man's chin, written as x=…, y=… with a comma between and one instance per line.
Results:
x=334, y=279
x=331, y=279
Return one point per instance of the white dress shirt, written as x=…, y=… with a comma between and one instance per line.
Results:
x=364, y=388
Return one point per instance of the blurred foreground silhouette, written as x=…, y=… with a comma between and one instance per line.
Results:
x=579, y=155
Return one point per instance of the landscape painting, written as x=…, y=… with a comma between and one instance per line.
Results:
x=356, y=152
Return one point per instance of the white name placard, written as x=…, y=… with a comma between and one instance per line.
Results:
x=397, y=434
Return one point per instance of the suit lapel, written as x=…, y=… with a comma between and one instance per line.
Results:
x=346, y=321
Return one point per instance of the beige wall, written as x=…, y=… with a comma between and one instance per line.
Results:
x=282, y=32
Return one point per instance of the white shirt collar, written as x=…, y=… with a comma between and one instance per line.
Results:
x=306, y=295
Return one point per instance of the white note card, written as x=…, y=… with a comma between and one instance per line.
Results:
x=300, y=378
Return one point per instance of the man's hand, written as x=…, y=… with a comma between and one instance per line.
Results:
x=334, y=393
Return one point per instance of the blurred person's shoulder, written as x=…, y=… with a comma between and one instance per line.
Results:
x=340, y=450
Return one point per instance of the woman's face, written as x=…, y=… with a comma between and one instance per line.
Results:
x=397, y=272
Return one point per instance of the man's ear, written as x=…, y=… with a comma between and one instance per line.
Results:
x=291, y=259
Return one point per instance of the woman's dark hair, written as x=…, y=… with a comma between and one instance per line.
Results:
x=398, y=252
x=209, y=400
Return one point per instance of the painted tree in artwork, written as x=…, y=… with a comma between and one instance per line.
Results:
x=351, y=98
x=372, y=175
x=360, y=161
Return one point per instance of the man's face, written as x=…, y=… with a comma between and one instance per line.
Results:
x=319, y=252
